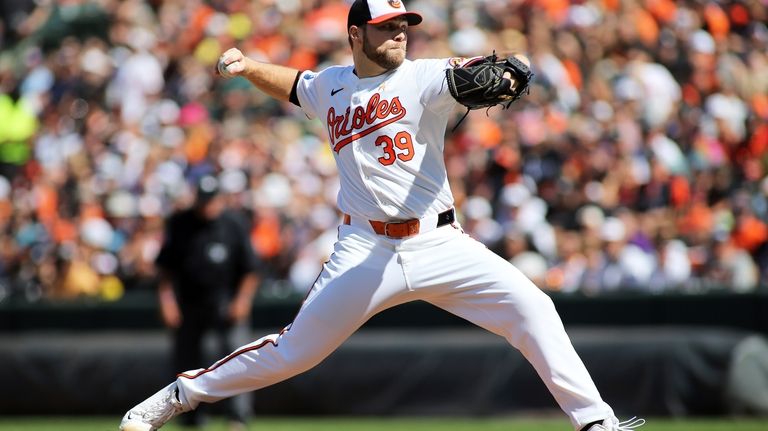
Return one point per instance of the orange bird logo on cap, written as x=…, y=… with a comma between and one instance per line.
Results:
x=395, y=3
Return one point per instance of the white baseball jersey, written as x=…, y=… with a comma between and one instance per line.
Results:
x=386, y=133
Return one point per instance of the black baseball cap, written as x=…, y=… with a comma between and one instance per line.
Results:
x=377, y=11
x=207, y=188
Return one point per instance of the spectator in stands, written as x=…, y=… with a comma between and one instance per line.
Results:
x=654, y=108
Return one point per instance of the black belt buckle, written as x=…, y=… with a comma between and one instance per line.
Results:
x=446, y=217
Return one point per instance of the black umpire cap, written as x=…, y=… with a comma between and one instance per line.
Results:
x=207, y=188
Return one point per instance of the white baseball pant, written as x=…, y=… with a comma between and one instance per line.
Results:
x=368, y=273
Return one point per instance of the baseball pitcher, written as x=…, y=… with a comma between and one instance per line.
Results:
x=398, y=240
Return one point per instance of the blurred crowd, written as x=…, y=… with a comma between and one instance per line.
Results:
x=639, y=161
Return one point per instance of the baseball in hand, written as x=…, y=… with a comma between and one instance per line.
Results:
x=225, y=70
x=230, y=63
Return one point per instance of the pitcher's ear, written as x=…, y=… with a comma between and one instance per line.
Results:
x=355, y=32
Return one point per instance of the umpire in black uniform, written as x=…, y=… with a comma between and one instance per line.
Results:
x=208, y=277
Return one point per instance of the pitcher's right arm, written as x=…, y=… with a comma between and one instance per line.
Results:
x=275, y=80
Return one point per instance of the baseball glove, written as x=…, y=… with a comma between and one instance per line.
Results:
x=480, y=84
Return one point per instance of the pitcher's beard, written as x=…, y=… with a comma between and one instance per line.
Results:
x=387, y=58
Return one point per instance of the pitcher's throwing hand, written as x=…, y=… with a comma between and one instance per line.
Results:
x=231, y=63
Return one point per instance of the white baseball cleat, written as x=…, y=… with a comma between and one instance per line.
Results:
x=154, y=412
x=613, y=424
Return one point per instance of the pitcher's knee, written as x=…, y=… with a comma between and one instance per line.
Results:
x=534, y=302
x=300, y=364
x=298, y=360
x=544, y=301
x=531, y=312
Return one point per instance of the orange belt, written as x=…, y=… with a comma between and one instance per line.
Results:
x=406, y=228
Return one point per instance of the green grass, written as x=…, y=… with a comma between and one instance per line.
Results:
x=382, y=424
